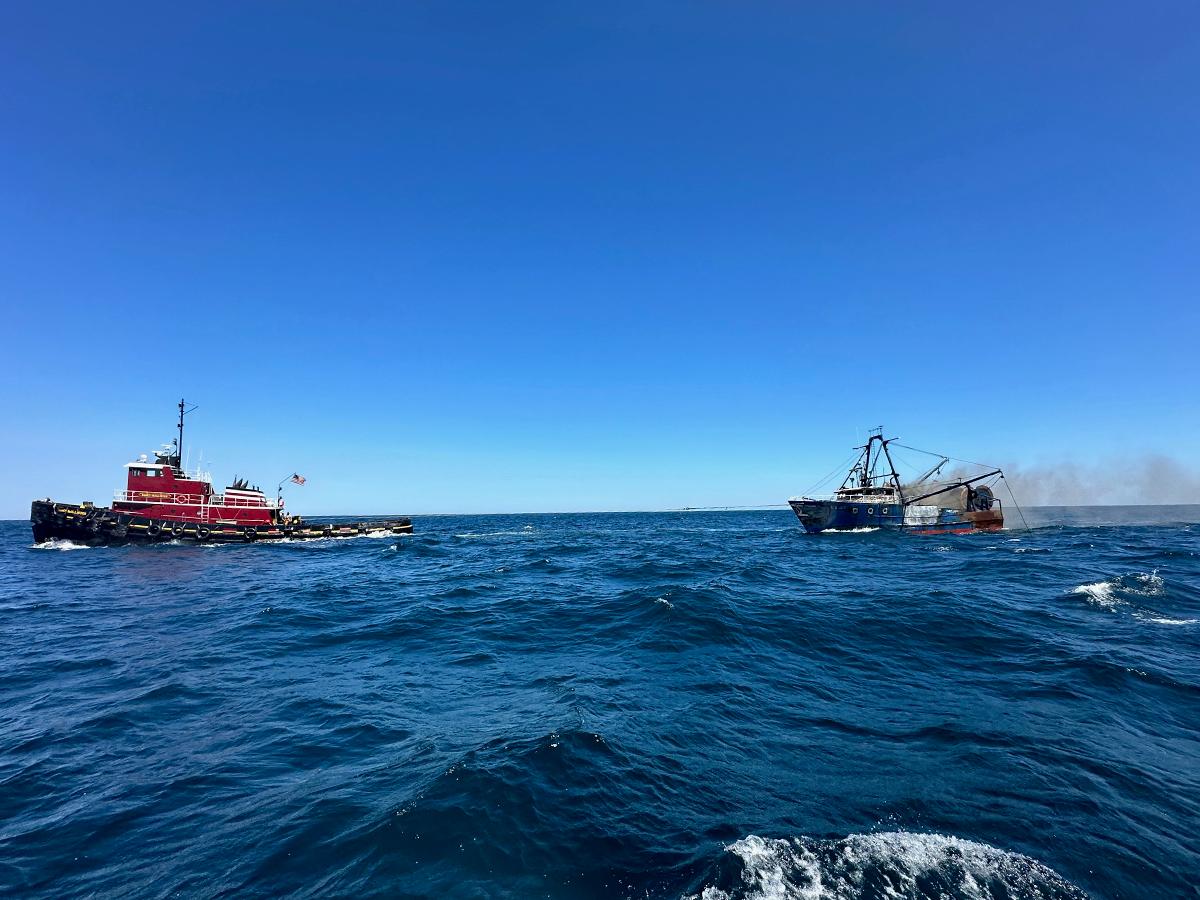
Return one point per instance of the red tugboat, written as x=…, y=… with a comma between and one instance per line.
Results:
x=163, y=503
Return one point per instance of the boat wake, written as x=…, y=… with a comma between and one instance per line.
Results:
x=60, y=544
x=892, y=865
x=314, y=542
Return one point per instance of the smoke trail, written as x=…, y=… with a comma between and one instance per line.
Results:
x=1153, y=479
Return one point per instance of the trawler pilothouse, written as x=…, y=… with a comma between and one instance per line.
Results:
x=873, y=496
x=162, y=502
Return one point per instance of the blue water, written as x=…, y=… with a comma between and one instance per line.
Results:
x=608, y=705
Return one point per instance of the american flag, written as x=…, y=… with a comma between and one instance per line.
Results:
x=299, y=479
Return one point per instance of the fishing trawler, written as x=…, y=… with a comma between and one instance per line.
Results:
x=874, y=496
x=162, y=502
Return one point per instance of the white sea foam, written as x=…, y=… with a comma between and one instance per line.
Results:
x=901, y=864
x=866, y=530
x=60, y=544
x=1110, y=594
x=374, y=534
x=1150, y=585
x=1100, y=593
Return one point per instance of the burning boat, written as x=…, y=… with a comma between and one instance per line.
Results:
x=873, y=495
x=162, y=502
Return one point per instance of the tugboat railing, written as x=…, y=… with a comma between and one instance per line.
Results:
x=167, y=498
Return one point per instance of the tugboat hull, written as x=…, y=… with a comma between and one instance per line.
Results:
x=87, y=524
x=835, y=515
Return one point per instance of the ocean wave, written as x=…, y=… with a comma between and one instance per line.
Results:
x=1138, y=584
x=1113, y=594
x=893, y=865
x=866, y=530
x=740, y=681
x=1100, y=592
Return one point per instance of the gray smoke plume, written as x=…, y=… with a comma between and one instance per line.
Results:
x=1153, y=479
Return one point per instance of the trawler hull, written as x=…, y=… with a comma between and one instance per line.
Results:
x=838, y=515
x=87, y=524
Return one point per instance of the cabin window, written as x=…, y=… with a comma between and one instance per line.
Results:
x=854, y=510
x=150, y=473
x=884, y=510
x=137, y=471
x=870, y=510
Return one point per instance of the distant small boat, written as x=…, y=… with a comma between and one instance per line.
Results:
x=162, y=502
x=873, y=496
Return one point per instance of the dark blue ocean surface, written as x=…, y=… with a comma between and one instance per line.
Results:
x=608, y=705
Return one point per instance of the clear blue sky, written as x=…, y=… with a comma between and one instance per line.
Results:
x=553, y=256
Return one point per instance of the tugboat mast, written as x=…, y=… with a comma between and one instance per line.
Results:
x=179, y=441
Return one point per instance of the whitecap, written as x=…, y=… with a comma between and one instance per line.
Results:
x=1100, y=593
x=864, y=530
x=909, y=864
x=1110, y=593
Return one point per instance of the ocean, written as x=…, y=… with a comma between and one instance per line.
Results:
x=703, y=704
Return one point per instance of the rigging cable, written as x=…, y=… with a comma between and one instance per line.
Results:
x=838, y=468
x=951, y=458
x=1013, y=497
